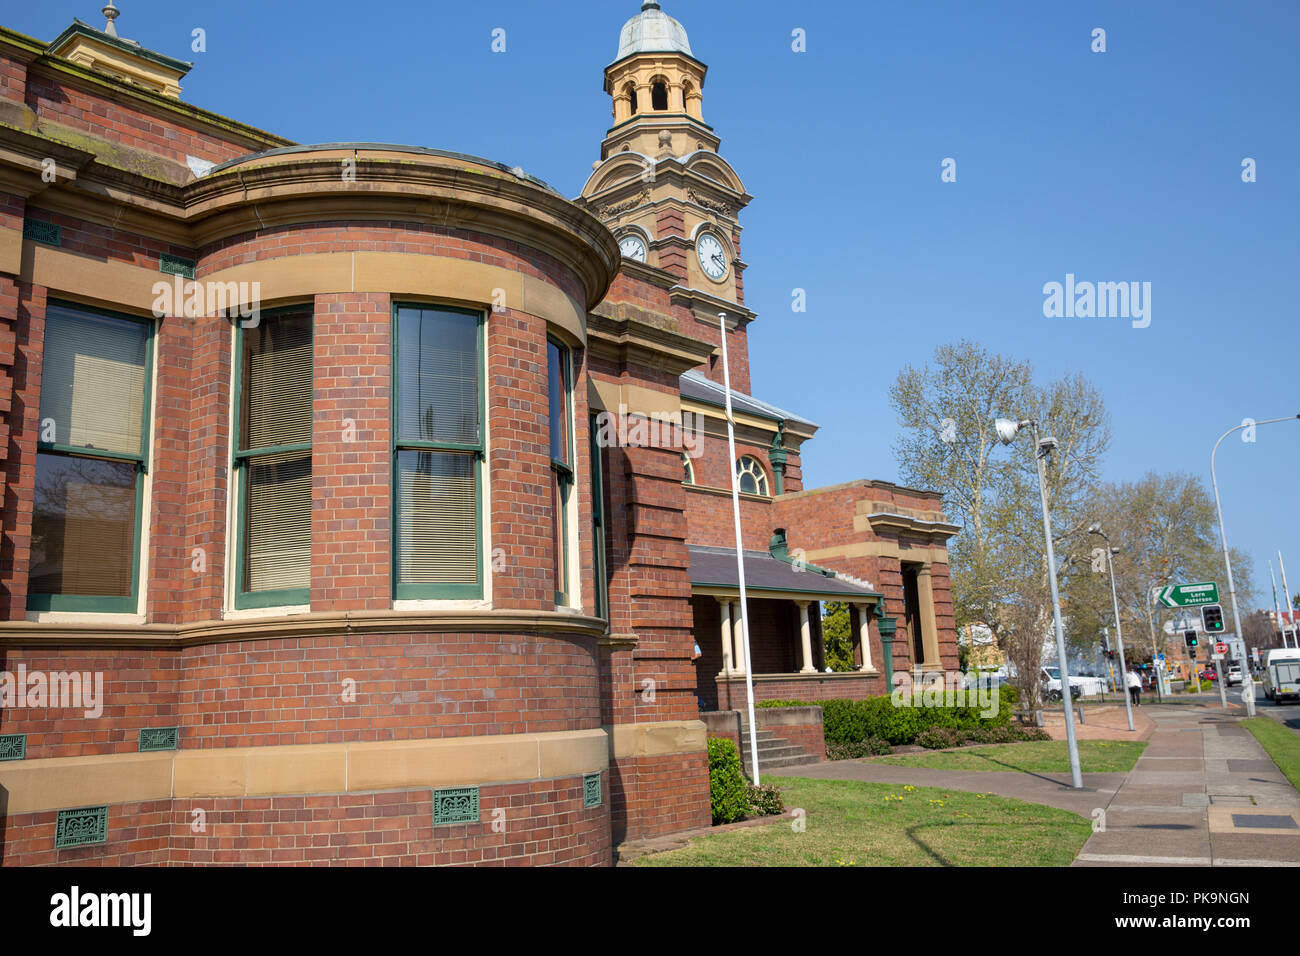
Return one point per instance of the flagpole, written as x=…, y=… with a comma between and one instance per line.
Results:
x=1290, y=608
x=740, y=556
x=1277, y=611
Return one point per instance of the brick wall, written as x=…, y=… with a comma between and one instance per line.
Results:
x=351, y=454
x=291, y=691
x=540, y=823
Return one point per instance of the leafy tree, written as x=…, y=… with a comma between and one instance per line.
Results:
x=1166, y=529
x=837, y=633
x=948, y=442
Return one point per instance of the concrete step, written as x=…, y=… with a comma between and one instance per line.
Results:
x=782, y=750
x=778, y=762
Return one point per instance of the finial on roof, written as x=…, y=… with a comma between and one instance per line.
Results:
x=648, y=5
x=112, y=13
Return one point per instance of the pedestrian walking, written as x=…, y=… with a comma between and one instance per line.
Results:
x=1135, y=688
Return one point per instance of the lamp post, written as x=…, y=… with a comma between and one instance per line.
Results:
x=1123, y=667
x=1007, y=431
x=1227, y=561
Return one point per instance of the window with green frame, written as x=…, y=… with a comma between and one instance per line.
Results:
x=90, y=461
x=559, y=389
x=601, y=597
x=273, y=460
x=437, y=452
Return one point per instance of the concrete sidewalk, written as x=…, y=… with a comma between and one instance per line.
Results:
x=1204, y=793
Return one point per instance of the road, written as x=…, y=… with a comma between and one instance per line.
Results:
x=1287, y=714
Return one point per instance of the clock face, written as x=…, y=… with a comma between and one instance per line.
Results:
x=632, y=248
x=712, y=255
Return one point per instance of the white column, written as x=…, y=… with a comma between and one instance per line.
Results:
x=727, y=666
x=805, y=634
x=738, y=638
x=864, y=636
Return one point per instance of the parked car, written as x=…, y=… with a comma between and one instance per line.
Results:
x=1080, y=686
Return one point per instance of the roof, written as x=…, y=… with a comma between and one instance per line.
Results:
x=387, y=148
x=652, y=31
x=79, y=28
x=716, y=567
x=699, y=387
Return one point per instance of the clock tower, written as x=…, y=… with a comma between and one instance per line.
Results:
x=659, y=184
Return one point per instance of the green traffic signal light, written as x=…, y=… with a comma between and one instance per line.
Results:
x=1212, y=618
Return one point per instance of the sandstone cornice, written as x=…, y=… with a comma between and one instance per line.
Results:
x=317, y=624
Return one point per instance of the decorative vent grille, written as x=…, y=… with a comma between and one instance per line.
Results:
x=39, y=231
x=591, y=790
x=455, y=805
x=176, y=266
x=13, y=747
x=83, y=827
x=159, y=738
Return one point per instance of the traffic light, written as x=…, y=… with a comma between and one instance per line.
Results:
x=1212, y=618
x=1191, y=638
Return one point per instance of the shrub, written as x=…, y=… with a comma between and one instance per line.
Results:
x=727, y=788
x=853, y=721
x=871, y=747
x=764, y=800
x=939, y=738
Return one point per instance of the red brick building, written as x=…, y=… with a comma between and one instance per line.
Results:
x=346, y=516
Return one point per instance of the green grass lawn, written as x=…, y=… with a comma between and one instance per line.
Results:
x=1047, y=756
x=1282, y=745
x=850, y=823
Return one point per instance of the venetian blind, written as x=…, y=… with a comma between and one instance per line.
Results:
x=438, y=376
x=93, y=380
x=437, y=524
x=277, y=386
x=277, y=539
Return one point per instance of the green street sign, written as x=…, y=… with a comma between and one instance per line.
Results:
x=1189, y=595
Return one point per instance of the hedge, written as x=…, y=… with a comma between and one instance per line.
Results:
x=853, y=721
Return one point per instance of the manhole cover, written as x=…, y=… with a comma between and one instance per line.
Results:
x=1250, y=766
x=1264, y=821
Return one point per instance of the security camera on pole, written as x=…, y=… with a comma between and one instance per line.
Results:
x=1007, y=431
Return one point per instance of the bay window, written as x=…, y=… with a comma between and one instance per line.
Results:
x=438, y=451
x=273, y=460
x=90, y=462
x=559, y=387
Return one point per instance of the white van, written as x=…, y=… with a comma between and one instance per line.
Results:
x=1282, y=674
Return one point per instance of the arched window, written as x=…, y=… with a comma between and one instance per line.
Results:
x=688, y=470
x=630, y=90
x=753, y=479
x=659, y=96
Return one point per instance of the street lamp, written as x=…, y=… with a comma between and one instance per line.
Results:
x=1227, y=561
x=1123, y=667
x=1007, y=431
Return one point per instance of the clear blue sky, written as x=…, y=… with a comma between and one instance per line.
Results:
x=1115, y=166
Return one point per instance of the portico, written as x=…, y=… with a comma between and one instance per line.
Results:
x=786, y=648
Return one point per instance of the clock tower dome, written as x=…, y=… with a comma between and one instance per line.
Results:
x=659, y=184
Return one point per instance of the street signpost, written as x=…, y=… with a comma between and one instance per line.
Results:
x=1220, y=649
x=1189, y=595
